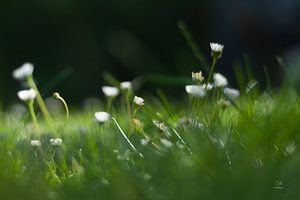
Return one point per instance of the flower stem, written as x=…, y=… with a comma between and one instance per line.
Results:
x=211, y=70
x=58, y=97
x=136, y=108
x=40, y=101
x=109, y=103
x=126, y=138
x=32, y=113
x=128, y=103
x=182, y=141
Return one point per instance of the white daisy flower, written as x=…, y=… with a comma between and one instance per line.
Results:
x=35, y=143
x=110, y=91
x=56, y=141
x=27, y=95
x=126, y=85
x=231, y=93
x=220, y=80
x=138, y=101
x=23, y=72
x=216, y=49
x=207, y=87
x=195, y=90
x=102, y=116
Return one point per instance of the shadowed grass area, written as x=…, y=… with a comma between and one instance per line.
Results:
x=248, y=150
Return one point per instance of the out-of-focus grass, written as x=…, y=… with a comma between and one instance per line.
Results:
x=247, y=154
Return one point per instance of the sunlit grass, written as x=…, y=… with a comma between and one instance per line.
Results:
x=248, y=153
x=212, y=142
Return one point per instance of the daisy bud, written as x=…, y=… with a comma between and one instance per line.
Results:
x=35, y=143
x=231, y=93
x=197, y=76
x=220, y=80
x=216, y=49
x=126, y=85
x=23, y=72
x=138, y=101
x=102, y=116
x=56, y=141
x=195, y=90
x=27, y=95
x=110, y=91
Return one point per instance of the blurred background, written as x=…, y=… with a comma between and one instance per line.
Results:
x=72, y=42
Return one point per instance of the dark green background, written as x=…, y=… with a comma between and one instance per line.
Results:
x=80, y=39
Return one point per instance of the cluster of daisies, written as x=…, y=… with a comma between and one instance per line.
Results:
x=24, y=74
x=29, y=95
x=201, y=88
x=111, y=93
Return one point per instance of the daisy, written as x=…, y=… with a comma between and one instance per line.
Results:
x=195, y=90
x=56, y=141
x=138, y=101
x=23, y=72
x=126, y=85
x=207, y=87
x=102, y=116
x=110, y=91
x=35, y=143
x=27, y=95
x=231, y=93
x=220, y=80
x=216, y=49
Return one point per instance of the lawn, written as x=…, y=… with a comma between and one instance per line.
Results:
x=212, y=142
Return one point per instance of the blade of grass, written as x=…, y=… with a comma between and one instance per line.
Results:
x=193, y=45
x=267, y=78
x=62, y=75
x=111, y=79
x=247, y=65
x=166, y=104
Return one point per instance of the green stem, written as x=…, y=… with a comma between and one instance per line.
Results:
x=211, y=70
x=128, y=103
x=32, y=113
x=109, y=103
x=40, y=101
x=183, y=142
x=136, y=108
x=126, y=138
x=58, y=97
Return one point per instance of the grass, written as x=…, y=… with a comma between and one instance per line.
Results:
x=213, y=146
x=230, y=153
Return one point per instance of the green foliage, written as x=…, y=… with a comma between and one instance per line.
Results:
x=249, y=153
